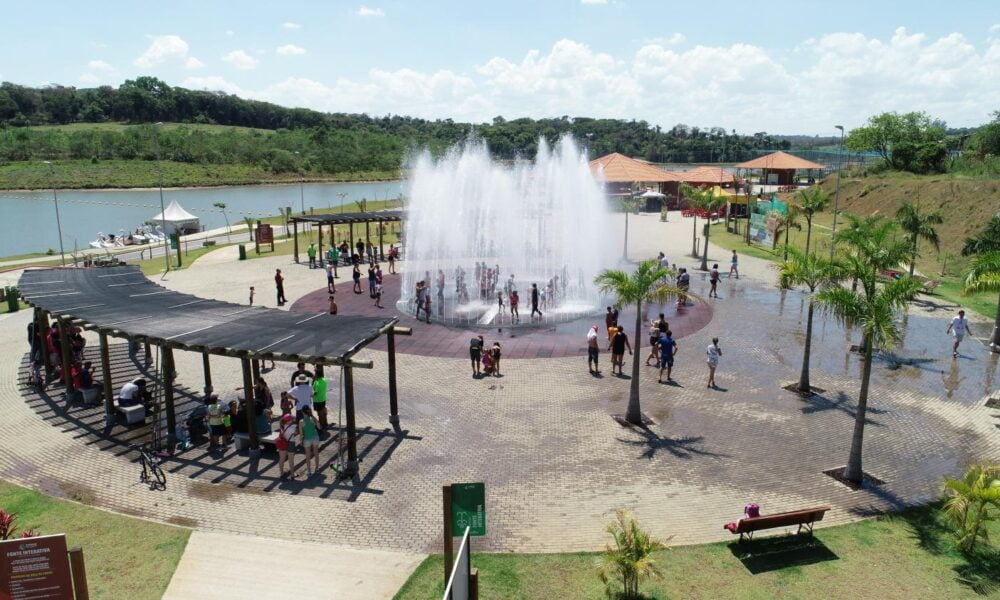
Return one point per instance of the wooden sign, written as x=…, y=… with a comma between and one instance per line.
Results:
x=265, y=234
x=35, y=568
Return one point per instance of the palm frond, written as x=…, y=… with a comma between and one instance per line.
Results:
x=984, y=274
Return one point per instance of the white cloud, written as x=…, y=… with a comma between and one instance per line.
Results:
x=100, y=65
x=230, y=32
x=670, y=40
x=836, y=78
x=193, y=63
x=364, y=11
x=593, y=1
x=214, y=84
x=995, y=28
x=289, y=50
x=240, y=59
x=290, y=25
x=165, y=49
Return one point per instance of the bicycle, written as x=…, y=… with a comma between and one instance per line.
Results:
x=151, y=474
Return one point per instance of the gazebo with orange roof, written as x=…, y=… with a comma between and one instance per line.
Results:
x=780, y=164
x=623, y=175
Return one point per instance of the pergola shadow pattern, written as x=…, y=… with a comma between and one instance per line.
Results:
x=86, y=423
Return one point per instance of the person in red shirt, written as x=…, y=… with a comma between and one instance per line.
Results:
x=516, y=318
x=279, y=284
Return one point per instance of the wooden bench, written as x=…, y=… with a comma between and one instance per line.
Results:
x=242, y=440
x=803, y=518
x=133, y=414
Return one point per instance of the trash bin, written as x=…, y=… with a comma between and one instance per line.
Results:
x=12, y=299
x=243, y=252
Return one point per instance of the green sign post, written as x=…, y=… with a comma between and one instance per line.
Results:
x=468, y=508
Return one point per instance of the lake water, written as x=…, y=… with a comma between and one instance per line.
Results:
x=28, y=222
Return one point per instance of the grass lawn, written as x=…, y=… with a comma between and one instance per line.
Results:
x=903, y=556
x=949, y=287
x=127, y=559
x=84, y=174
x=155, y=266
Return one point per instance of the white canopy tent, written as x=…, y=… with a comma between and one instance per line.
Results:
x=177, y=219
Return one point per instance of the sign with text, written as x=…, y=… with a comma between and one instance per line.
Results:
x=265, y=234
x=468, y=508
x=35, y=568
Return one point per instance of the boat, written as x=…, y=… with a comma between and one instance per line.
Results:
x=103, y=241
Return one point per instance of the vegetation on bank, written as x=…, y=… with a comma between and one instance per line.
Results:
x=905, y=556
x=127, y=559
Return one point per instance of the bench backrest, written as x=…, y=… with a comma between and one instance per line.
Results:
x=785, y=519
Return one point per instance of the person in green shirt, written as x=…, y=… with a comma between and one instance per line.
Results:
x=333, y=254
x=319, y=396
x=311, y=251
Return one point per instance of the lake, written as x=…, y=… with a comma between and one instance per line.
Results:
x=28, y=222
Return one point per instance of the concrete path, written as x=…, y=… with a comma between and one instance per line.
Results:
x=219, y=566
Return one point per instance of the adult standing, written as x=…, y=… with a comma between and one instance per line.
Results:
x=534, y=301
x=300, y=369
x=309, y=432
x=356, y=276
x=286, y=431
x=476, y=354
x=713, y=352
x=319, y=386
x=618, y=345
x=684, y=283
x=392, y=258
x=593, y=351
x=668, y=350
x=514, y=301
x=734, y=265
x=713, y=279
x=302, y=393
x=329, y=277
x=311, y=251
x=279, y=285
x=958, y=327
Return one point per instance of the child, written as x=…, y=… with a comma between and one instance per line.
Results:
x=378, y=295
x=495, y=354
x=227, y=421
x=488, y=363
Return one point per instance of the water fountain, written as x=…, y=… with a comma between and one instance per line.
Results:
x=541, y=222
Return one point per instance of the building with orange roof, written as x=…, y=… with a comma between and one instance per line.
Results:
x=778, y=168
x=626, y=176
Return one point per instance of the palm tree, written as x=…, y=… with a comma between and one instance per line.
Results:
x=918, y=225
x=874, y=308
x=971, y=503
x=644, y=285
x=812, y=271
x=984, y=276
x=629, y=559
x=811, y=201
x=787, y=222
x=709, y=202
x=693, y=196
x=222, y=208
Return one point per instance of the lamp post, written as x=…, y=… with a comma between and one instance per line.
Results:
x=836, y=196
x=55, y=199
x=302, y=192
x=163, y=210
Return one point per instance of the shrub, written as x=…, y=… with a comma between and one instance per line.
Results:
x=628, y=560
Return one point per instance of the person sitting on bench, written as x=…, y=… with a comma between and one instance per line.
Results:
x=133, y=393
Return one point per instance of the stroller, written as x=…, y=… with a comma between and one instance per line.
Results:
x=197, y=421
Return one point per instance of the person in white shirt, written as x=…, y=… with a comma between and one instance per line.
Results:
x=958, y=327
x=302, y=393
x=132, y=393
x=714, y=352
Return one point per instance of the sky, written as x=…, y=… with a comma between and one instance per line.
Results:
x=786, y=67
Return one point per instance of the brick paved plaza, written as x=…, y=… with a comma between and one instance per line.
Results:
x=541, y=437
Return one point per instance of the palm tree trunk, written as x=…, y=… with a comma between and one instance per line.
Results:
x=913, y=256
x=704, y=256
x=694, y=238
x=853, y=472
x=804, y=385
x=809, y=233
x=786, y=244
x=995, y=338
x=634, y=413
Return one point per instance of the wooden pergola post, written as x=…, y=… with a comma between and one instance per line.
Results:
x=149, y=353
x=207, y=368
x=352, y=433
x=393, y=400
x=255, y=369
x=368, y=236
x=64, y=349
x=167, y=369
x=333, y=242
x=350, y=241
x=44, y=332
x=295, y=240
x=381, y=253
x=109, y=394
x=320, y=236
x=250, y=407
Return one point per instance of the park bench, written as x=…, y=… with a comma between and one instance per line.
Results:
x=242, y=440
x=133, y=414
x=803, y=518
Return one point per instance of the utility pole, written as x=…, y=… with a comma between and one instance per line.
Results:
x=836, y=196
x=163, y=211
x=55, y=199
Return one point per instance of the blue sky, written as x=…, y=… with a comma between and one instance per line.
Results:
x=785, y=67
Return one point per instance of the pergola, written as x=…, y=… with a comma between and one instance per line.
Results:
x=122, y=302
x=352, y=218
x=624, y=174
x=782, y=164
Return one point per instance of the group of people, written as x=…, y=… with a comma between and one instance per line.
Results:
x=485, y=360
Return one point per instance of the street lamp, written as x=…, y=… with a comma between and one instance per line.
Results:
x=302, y=193
x=55, y=199
x=836, y=196
x=163, y=210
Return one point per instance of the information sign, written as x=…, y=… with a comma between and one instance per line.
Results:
x=265, y=234
x=35, y=568
x=468, y=508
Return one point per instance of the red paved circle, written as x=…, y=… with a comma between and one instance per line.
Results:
x=545, y=341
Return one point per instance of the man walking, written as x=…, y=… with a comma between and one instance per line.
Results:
x=593, y=351
x=534, y=301
x=668, y=349
x=958, y=327
x=279, y=284
x=617, y=346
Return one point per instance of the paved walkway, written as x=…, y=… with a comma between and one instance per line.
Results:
x=555, y=464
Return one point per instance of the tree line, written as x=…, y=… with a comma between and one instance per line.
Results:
x=325, y=142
